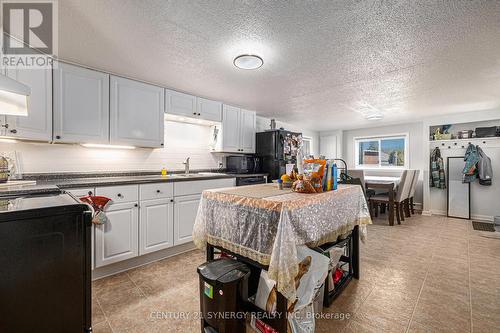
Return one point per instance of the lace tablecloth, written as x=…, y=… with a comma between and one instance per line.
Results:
x=265, y=224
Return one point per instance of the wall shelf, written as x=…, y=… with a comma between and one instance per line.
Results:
x=466, y=140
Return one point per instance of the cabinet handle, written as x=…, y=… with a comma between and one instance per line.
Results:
x=90, y=192
x=14, y=131
x=119, y=195
x=6, y=125
x=136, y=205
x=158, y=191
x=194, y=113
x=58, y=137
x=171, y=200
x=199, y=114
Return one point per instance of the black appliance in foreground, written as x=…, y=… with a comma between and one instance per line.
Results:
x=223, y=291
x=243, y=164
x=45, y=275
x=276, y=149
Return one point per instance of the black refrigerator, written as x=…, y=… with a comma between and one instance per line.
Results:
x=45, y=275
x=276, y=149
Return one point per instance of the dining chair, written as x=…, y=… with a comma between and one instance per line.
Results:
x=402, y=193
x=411, y=205
x=360, y=174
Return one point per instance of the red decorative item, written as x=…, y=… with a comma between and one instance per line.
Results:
x=339, y=273
x=98, y=203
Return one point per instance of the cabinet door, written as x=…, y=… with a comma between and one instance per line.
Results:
x=185, y=210
x=38, y=124
x=208, y=109
x=117, y=239
x=231, y=129
x=136, y=113
x=156, y=225
x=180, y=104
x=247, y=131
x=81, y=105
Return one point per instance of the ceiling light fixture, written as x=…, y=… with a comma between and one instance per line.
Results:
x=375, y=116
x=248, y=61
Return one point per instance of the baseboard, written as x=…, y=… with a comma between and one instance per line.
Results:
x=487, y=218
x=426, y=213
x=483, y=218
x=126, y=265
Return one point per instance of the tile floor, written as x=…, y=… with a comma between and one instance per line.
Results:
x=430, y=274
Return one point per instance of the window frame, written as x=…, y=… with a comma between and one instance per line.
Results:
x=379, y=138
x=310, y=140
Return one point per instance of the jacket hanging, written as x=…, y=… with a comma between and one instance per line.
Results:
x=484, y=168
x=437, y=178
x=471, y=159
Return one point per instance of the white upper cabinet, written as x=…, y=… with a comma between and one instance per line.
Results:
x=208, y=109
x=180, y=104
x=38, y=124
x=238, y=130
x=81, y=105
x=185, y=105
x=231, y=129
x=247, y=131
x=136, y=113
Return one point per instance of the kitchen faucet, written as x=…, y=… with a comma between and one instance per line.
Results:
x=186, y=166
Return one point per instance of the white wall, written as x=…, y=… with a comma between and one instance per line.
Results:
x=484, y=200
x=181, y=140
x=415, y=154
x=326, y=138
x=264, y=124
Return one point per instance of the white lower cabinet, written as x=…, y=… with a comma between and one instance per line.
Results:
x=156, y=225
x=117, y=239
x=147, y=218
x=185, y=210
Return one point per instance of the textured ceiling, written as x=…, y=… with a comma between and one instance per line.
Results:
x=326, y=63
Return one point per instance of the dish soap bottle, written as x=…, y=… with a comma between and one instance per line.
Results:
x=163, y=172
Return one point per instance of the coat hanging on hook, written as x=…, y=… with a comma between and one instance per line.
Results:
x=471, y=159
x=437, y=178
x=484, y=168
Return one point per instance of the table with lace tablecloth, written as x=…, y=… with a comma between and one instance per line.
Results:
x=265, y=224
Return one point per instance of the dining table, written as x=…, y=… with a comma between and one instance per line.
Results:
x=386, y=184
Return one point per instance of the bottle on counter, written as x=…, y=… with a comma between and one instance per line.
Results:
x=334, y=176
x=280, y=184
x=163, y=171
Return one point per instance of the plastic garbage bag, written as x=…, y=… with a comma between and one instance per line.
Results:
x=98, y=204
x=313, y=270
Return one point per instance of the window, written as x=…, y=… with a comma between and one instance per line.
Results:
x=381, y=152
x=306, y=146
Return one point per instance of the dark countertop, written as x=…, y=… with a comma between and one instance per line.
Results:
x=47, y=183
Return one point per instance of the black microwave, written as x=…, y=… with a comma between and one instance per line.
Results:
x=242, y=164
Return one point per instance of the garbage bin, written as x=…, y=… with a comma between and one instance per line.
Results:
x=223, y=289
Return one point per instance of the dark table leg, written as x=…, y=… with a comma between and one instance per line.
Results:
x=282, y=311
x=355, y=252
x=391, y=205
x=210, y=252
